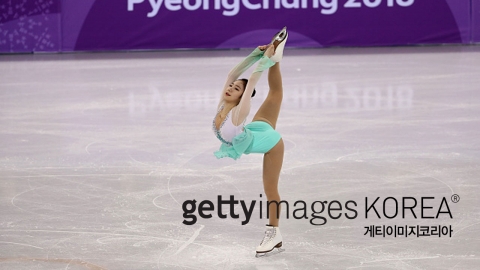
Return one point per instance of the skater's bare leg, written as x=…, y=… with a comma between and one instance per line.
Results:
x=272, y=165
x=273, y=160
x=270, y=108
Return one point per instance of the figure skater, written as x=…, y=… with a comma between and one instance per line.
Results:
x=260, y=135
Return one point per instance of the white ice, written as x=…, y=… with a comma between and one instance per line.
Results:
x=99, y=151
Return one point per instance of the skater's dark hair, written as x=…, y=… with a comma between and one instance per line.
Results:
x=246, y=81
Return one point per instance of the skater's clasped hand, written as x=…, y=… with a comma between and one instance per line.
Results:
x=268, y=49
x=263, y=47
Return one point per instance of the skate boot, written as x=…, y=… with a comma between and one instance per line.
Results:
x=279, y=41
x=270, y=59
x=272, y=240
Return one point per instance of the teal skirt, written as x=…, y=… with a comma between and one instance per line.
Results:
x=257, y=137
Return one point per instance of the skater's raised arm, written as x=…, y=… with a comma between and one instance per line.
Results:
x=241, y=111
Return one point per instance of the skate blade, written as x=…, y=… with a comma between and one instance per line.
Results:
x=280, y=36
x=270, y=253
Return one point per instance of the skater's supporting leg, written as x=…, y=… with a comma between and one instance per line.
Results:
x=272, y=165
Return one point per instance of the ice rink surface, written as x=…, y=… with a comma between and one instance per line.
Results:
x=98, y=152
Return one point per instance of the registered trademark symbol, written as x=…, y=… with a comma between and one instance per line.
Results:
x=455, y=198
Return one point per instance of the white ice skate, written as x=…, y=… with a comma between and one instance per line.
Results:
x=279, y=41
x=271, y=243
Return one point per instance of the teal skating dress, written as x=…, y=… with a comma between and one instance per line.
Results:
x=256, y=137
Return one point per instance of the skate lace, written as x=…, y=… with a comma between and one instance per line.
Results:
x=269, y=234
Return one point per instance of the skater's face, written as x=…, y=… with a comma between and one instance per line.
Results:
x=234, y=91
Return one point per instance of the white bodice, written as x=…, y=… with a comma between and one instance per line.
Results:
x=227, y=130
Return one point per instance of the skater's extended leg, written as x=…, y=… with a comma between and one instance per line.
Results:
x=270, y=108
